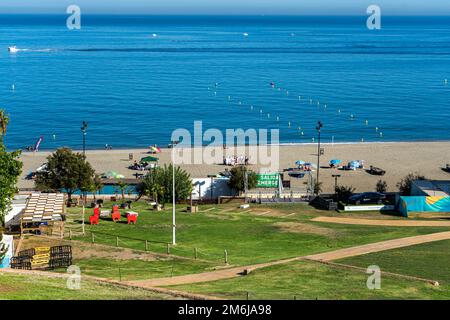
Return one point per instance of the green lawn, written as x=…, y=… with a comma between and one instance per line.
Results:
x=248, y=238
x=26, y=287
x=312, y=280
x=134, y=269
x=428, y=260
x=267, y=233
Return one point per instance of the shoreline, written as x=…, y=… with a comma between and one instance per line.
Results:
x=397, y=158
x=286, y=144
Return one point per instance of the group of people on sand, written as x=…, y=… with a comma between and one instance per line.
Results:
x=235, y=160
x=138, y=166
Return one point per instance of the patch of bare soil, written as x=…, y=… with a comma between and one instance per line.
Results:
x=85, y=252
x=221, y=216
x=82, y=250
x=297, y=227
x=265, y=212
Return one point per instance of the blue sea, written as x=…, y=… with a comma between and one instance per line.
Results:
x=135, y=79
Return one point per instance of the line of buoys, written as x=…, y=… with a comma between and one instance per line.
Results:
x=352, y=116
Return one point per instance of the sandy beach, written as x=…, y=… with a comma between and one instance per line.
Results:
x=398, y=159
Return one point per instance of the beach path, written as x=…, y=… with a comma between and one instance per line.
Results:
x=379, y=246
x=380, y=222
x=327, y=256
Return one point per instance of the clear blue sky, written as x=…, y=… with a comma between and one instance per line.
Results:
x=307, y=7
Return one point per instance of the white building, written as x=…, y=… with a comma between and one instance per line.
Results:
x=210, y=188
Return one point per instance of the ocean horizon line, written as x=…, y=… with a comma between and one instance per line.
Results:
x=225, y=15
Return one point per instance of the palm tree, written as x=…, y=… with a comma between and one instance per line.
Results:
x=122, y=186
x=155, y=190
x=96, y=186
x=4, y=119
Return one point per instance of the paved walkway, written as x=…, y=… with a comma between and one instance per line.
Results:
x=389, y=223
x=327, y=256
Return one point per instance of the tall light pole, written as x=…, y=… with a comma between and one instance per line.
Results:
x=318, y=128
x=83, y=130
x=245, y=184
x=174, y=226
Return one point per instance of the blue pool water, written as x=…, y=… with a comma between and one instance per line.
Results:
x=111, y=189
x=134, y=89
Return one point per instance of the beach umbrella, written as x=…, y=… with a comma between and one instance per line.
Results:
x=299, y=162
x=149, y=159
x=155, y=149
x=335, y=161
x=111, y=175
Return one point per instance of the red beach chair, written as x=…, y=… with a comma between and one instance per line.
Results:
x=93, y=219
x=131, y=218
x=115, y=216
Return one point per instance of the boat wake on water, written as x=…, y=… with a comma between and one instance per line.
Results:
x=14, y=49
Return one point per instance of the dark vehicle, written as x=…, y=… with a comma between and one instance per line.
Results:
x=447, y=168
x=376, y=171
x=367, y=198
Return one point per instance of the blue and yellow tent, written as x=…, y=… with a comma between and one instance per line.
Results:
x=423, y=204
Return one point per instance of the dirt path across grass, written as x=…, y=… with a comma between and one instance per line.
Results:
x=327, y=256
x=206, y=276
x=379, y=246
x=388, y=223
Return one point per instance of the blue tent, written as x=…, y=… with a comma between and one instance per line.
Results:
x=423, y=204
x=335, y=162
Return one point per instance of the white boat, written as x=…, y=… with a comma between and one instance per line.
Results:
x=13, y=49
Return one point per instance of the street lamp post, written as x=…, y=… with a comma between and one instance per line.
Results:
x=318, y=128
x=174, y=227
x=245, y=184
x=84, y=130
x=335, y=176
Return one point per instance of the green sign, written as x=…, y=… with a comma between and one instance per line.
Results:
x=269, y=180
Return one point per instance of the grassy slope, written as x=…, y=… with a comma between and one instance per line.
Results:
x=135, y=269
x=247, y=238
x=428, y=260
x=312, y=280
x=24, y=287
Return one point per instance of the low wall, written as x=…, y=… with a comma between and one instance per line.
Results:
x=370, y=207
